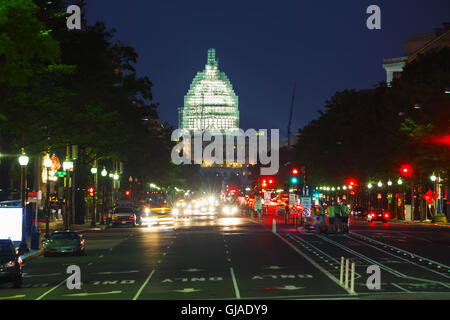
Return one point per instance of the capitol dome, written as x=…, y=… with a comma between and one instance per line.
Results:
x=210, y=103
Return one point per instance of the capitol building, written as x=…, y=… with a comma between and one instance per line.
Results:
x=211, y=104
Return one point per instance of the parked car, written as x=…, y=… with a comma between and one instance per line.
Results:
x=10, y=264
x=378, y=214
x=64, y=242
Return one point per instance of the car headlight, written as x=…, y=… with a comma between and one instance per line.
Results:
x=226, y=210
x=147, y=210
x=175, y=211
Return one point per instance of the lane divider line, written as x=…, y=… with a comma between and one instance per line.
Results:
x=236, y=288
x=143, y=286
x=325, y=272
x=55, y=287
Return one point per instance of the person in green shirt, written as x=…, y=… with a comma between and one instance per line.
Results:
x=331, y=218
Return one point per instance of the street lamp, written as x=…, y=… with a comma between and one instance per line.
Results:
x=389, y=183
x=23, y=161
x=399, y=181
x=47, y=164
x=380, y=184
x=94, y=213
x=104, y=172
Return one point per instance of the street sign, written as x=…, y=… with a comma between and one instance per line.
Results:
x=306, y=202
x=292, y=199
x=60, y=174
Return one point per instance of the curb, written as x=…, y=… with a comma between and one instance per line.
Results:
x=421, y=223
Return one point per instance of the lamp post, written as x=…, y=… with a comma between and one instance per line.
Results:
x=23, y=161
x=47, y=164
x=94, y=213
x=67, y=167
x=104, y=174
x=433, y=178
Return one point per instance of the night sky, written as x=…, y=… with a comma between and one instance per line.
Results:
x=264, y=47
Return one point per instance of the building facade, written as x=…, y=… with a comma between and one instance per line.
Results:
x=415, y=45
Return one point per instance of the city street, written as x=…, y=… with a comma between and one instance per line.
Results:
x=241, y=258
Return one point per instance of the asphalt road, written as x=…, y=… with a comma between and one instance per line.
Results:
x=238, y=258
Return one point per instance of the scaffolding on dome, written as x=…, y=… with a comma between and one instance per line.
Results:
x=210, y=103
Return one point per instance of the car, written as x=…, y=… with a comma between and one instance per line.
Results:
x=358, y=212
x=64, y=242
x=123, y=216
x=158, y=216
x=10, y=263
x=378, y=214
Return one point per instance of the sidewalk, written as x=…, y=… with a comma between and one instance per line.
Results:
x=59, y=225
x=424, y=223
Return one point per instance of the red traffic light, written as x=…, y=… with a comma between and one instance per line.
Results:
x=127, y=193
x=406, y=170
x=91, y=191
x=351, y=182
x=294, y=171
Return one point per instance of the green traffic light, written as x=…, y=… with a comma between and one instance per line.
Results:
x=294, y=180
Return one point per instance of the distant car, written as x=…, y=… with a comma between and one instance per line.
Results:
x=158, y=216
x=378, y=215
x=123, y=216
x=10, y=264
x=64, y=242
x=358, y=212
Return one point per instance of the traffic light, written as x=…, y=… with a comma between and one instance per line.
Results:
x=351, y=182
x=406, y=171
x=127, y=193
x=294, y=173
x=91, y=192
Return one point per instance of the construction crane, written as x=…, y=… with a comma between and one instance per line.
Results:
x=290, y=117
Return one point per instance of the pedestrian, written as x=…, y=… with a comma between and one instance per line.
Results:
x=338, y=218
x=331, y=218
x=345, y=218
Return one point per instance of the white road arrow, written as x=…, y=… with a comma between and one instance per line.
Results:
x=187, y=290
x=274, y=268
x=111, y=272
x=14, y=297
x=290, y=287
x=193, y=270
x=84, y=294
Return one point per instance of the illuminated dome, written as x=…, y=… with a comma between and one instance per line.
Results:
x=210, y=103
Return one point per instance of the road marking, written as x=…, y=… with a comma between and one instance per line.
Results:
x=274, y=268
x=193, y=270
x=143, y=286
x=236, y=289
x=55, y=287
x=187, y=290
x=42, y=275
x=114, y=272
x=84, y=294
x=101, y=256
x=14, y=297
x=229, y=259
x=290, y=287
x=401, y=288
x=325, y=272
x=382, y=266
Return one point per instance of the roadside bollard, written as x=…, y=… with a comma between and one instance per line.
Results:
x=274, y=226
x=352, y=275
x=346, y=273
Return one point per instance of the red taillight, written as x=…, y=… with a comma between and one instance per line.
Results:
x=386, y=215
